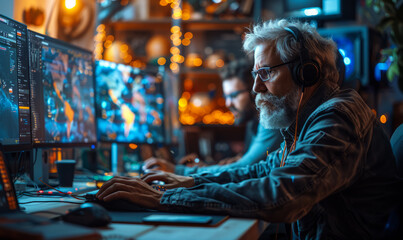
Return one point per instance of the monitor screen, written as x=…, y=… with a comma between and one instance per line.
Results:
x=62, y=92
x=353, y=44
x=15, y=122
x=321, y=9
x=130, y=104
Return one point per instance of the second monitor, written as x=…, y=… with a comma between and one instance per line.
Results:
x=130, y=104
x=62, y=92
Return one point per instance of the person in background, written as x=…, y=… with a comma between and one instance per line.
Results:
x=334, y=177
x=237, y=85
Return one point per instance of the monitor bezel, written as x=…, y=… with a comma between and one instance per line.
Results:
x=65, y=144
x=20, y=146
x=145, y=71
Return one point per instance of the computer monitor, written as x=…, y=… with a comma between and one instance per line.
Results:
x=319, y=9
x=355, y=44
x=15, y=131
x=62, y=93
x=129, y=103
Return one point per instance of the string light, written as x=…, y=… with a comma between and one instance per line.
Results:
x=192, y=109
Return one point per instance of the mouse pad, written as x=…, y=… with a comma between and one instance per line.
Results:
x=137, y=217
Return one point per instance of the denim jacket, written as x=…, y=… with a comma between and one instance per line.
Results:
x=340, y=182
x=265, y=141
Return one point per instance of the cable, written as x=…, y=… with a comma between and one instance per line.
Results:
x=67, y=194
x=35, y=158
x=294, y=144
x=17, y=167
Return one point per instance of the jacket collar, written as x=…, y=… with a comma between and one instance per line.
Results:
x=321, y=95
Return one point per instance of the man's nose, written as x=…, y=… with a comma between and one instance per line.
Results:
x=258, y=85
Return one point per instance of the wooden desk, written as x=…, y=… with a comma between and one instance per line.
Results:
x=232, y=228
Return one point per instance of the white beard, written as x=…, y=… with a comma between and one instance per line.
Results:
x=277, y=112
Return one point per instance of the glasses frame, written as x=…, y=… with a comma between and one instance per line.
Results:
x=235, y=94
x=268, y=69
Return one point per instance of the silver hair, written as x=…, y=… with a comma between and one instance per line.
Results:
x=320, y=49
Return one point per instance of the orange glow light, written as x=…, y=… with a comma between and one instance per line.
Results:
x=181, y=59
x=188, y=35
x=124, y=47
x=70, y=4
x=133, y=146
x=186, y=95
x=182, y=102
x=173, y=66
x=219, y=63
x=163, y=3
x=185, y=15
x=100, y=28
x=197, y=62
x=185, y=42
x=161, y=61
x=383, y=119
x=174, y=50
x=177, y=42
x=188, y=84
x=175, y=29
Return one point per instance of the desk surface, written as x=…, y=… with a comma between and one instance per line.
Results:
x=232, y=228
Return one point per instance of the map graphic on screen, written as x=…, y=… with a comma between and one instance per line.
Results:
x=62, y=84
x=130, y=104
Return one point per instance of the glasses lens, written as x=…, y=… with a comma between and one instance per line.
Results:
x=264, y=74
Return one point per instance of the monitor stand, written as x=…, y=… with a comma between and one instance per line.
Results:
x=41, y=167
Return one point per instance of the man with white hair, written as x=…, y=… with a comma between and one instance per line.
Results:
x=334, y=177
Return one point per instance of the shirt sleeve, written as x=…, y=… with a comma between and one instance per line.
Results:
x=265, y=142
x=324, y=161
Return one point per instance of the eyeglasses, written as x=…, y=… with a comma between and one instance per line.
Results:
x=235, y=94
x=265, y=72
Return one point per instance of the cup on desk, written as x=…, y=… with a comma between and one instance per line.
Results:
x=65, y=170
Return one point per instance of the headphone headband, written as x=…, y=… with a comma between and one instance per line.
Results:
x=306, y=73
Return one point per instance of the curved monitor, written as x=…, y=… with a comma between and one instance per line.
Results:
x=62, y=89
x=129, y=103
x=15, y=131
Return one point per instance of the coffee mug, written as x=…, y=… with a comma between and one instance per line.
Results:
x=65, y=170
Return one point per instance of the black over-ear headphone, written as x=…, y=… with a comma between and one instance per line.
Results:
x=306, y=72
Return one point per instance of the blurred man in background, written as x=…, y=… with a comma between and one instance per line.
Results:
x=237, y=84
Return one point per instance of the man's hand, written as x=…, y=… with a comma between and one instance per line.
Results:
x=171, y=180
x=158, y=164
x=132, y=189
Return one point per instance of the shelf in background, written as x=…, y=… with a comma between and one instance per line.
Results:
x=216, y=24
x=146, y=25
x=190, y=25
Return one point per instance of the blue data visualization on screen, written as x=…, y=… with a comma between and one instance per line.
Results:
x=130, y=104
x=62, y=87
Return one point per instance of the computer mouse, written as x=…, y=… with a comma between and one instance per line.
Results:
x=88, y=214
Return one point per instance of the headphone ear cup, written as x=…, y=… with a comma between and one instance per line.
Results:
x=308, y=73
x=294, y=69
